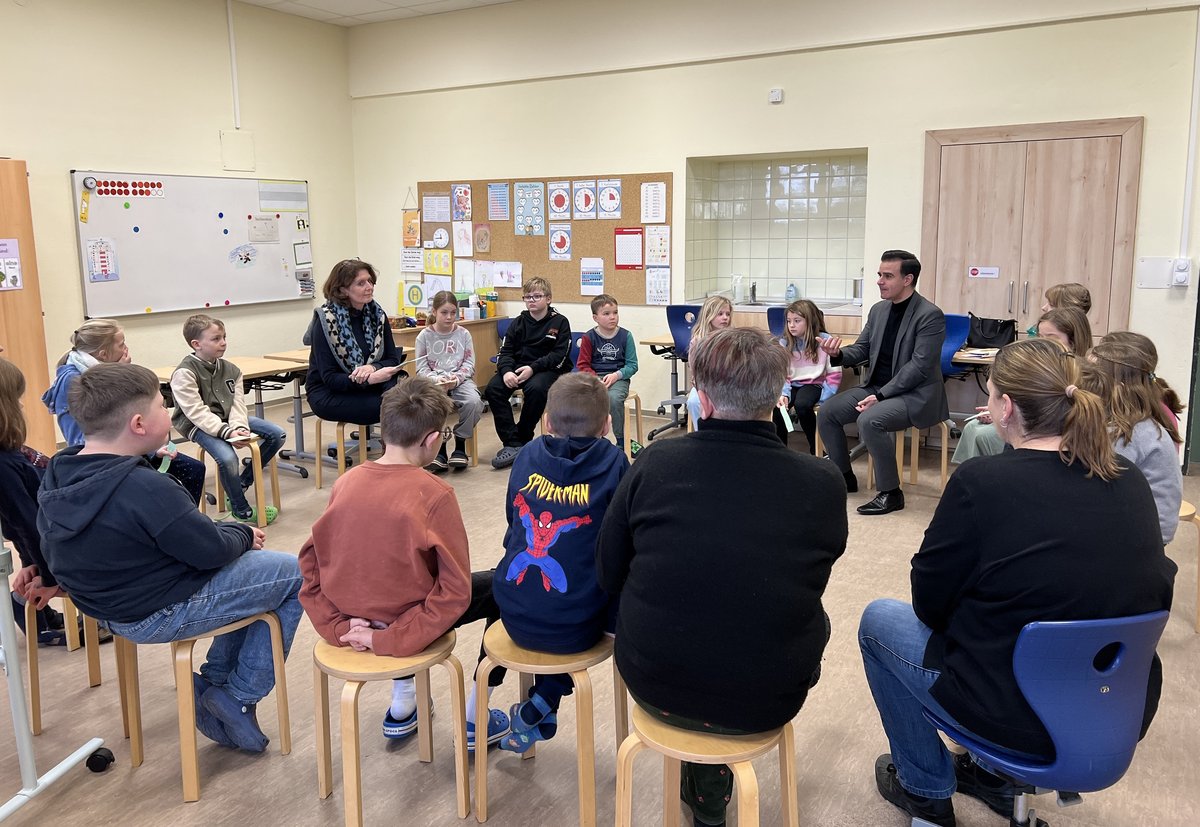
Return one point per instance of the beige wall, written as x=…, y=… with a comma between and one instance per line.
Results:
x=145, y=87
x=882, y=97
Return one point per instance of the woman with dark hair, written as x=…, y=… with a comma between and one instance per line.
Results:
x=353, y=358
x=1059, y=528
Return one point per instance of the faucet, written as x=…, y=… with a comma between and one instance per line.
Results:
x=753, y=292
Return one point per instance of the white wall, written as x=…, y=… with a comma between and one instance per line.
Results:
x=879, y=96
x=144, y=86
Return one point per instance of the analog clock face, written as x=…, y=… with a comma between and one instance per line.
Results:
x=585, y=200
x=440, y=237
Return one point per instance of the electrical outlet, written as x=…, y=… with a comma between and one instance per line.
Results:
x=775, y=96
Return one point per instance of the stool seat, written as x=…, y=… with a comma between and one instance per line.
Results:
x=345, y=663
x=1187, y=511
x=503, y=651
x=700, y=747
x=1187, y=514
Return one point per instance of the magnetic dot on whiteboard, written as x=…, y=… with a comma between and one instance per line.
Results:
x=137, y=229
x=126, y=205
x=226, y=231
x=220, y=215
x=148, y=310
x=227, y=301
x=206, y=304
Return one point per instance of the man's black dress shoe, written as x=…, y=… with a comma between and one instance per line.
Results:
x=884, y=503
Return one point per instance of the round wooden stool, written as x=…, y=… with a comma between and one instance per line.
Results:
x=502, y=651
x=356, y=669
x=131, y=701
x=737, y=751
x=364, y=438
x=1187, y=514
x=260, y=498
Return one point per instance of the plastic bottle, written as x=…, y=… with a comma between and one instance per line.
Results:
x=792, y=293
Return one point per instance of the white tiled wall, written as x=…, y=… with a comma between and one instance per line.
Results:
x=777, y=221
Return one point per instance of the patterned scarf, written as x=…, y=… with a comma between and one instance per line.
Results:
x=342, y=340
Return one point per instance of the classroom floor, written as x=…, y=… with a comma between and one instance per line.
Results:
x=838, y=734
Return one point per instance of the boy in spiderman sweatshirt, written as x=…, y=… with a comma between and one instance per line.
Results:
x=546, y=585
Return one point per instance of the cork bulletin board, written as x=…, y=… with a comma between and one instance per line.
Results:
x=589, y=238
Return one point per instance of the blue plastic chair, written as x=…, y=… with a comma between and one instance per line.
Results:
x=1086, y=681
x=573, y=353
x=957, y=329
x=776, y=320
x=680, y=320
x=501, y=331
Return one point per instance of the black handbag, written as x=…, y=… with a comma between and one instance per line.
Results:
x=991, y=332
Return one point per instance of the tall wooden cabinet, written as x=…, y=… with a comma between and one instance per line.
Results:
x=1043, y=203
x=21, y=329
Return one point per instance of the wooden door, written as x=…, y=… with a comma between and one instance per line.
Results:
x=21, y=330
x=980, y=210
x=1070, y=221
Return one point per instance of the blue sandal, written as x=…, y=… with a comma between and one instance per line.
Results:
x=524, y=735
x=498, y=726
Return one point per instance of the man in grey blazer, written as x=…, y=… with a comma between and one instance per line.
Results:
x=902, y=345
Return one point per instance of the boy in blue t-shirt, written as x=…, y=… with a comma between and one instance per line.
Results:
x=546, y=585
x=609, y=351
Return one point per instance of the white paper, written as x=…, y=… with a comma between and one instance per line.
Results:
x=302, y=251
x=412, y=259
x=102, y=259
x=498, y=203
x=585, y=199
x=414, y=295
x=435, y=284
x=463, y=239
x=435, y=209
x=591, y=276
x=506, y=273
x=263, y=229
x=654, y=202
x=558, y=200
x=464, y=275
x=977, y=272
x=658, y=245
x=10, y=264
x=483, y=274
x=530, y=212
x=658, y=285
x=560, y=242
x=608, y=197
x=629, y=249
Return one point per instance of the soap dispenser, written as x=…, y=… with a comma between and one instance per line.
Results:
x=792, y=293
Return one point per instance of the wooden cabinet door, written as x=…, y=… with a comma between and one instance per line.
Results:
x=1070, y=219
x=980, y=212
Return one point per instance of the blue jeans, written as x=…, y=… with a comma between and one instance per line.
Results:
x=241, y=661
x=616, y=408
x=693, y=408
x=893, y=641
x=235, y=478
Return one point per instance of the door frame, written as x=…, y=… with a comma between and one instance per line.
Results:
x=1129, y=130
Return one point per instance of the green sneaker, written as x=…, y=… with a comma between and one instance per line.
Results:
x=635, y=448
x=272, y=513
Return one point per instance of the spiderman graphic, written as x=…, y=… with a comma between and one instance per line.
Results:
x=540, y=535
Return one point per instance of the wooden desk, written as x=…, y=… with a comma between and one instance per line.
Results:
x=975, y=356
x=299, y=355
x=484, y=340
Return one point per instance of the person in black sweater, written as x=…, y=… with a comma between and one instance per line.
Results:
x=536, y=350
x=722, y=541
x=353, y=358
x=1001, y=553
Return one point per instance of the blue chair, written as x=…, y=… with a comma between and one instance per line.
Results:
x=1086, y=681
x=501, y=331
x=957, y=328
x=776, y=320
x=680, y=320
x=573, y=353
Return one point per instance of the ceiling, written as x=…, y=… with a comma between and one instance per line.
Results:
x=360, y=12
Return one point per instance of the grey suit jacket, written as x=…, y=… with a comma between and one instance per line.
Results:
x=916, y=361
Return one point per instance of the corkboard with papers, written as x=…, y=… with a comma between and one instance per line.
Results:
x=590, y=208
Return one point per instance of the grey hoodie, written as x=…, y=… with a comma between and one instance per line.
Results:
x=124, y=540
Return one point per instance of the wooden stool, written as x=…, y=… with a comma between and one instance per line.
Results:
x=363, y=439
x=131, y=703
x=91, y=638
x=737, y=751
x=915, y=446
x=260, y=499
x=502, y=651
x=1187, y=514
x=633, y=403
x=356, y=669
x=472, y=446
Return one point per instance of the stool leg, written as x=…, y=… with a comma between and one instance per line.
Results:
x=585, y=746
x=1196, y=523
x=281, y=696
x=945, y=454
x=900, y=457
x=620, y=705
x=364, y=437
x=204, y=492
x=70, y=624
x=186, y=703
x=133, y=702
x=525, y=682
x=341, y=447
x=351, y=770
x=912, y=456
x=324, y=747
x=122, y=688
x=787, y=776
x=320, y=451
x=220, y=493
x=672, y=769
x=747, y=792
x=260, y=497
x=31, y=663
x=625, y=755
x=91, y=645
x=424, y=719
x=458, y=701
x=481, y=721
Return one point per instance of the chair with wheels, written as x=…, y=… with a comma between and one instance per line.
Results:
x=680, y=320
x=957, y=329
x=1086, y=681
x=776, y=320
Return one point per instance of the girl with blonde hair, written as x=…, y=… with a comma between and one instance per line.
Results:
x=715, y=314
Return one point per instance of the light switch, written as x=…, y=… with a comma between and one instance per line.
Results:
x=775, y=96
x=1181, y=273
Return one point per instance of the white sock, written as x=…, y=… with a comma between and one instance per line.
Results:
x=472, y=698
x=404, y=698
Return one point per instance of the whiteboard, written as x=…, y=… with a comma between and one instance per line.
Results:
x=154, y=243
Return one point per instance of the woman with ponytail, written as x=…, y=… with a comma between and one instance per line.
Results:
x=1055, y=529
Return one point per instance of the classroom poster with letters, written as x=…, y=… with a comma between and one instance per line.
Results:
x=498, y=204
x=654, y=202
x=10, y=264
x=412, y=259
x=591, y=276
x=658, y=285
x=530, y=208
x=658, y=245
x=435, y=208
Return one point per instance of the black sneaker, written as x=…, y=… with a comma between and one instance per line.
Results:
x=439, y=464
x=973, y=780
x=939, y=811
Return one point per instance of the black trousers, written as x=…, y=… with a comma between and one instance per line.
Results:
x=535, y=390
x=483, y=607
x=804, y=400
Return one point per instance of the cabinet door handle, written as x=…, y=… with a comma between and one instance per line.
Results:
x=1011, y=284
x=1025, y=299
